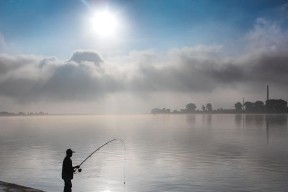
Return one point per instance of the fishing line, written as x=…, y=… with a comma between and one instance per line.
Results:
x=124, y=158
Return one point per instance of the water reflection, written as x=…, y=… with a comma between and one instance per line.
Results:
x=277, y=120
x=191, y=119
x=239, y=120
x=272, y=123
x=211, y=153
x=267, y=131
x=207, y=119
x=259, y=120
x=254, y=120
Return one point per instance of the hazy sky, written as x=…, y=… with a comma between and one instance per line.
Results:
x=68, y=57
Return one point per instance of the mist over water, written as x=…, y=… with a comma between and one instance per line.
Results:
x=203, y=152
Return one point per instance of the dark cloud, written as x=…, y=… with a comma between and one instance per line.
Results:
x=82, y=56
x=70, y=82
x=30, y=79
x=270, y=68
x=10, y=63
x=205, y=74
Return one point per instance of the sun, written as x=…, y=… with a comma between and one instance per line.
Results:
x=105, y=23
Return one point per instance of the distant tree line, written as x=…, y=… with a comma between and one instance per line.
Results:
x=190, y=108
x=271, y=106
x=4, y=113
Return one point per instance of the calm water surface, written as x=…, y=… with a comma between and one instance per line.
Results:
x=201, y=153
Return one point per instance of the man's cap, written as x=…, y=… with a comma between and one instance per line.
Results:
x=70, y=151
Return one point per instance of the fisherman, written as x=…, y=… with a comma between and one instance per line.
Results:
x=68, y=170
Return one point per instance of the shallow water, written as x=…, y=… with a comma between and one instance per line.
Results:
x=203, y=153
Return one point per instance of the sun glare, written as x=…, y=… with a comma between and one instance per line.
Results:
x=105, y=23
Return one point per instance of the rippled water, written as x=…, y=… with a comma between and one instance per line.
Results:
x=203, y=153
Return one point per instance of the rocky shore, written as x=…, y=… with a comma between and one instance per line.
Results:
x=9, y=187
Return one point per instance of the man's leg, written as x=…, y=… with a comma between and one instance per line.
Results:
x=68, y=185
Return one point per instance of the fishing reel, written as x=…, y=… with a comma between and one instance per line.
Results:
x=77, y=170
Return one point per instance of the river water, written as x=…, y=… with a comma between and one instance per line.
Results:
x=201, y=153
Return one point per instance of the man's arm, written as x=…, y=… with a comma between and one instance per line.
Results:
x=75, y=168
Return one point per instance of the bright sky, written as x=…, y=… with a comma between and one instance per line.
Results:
x=133, y=55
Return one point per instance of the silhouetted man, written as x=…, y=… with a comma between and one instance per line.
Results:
x=68, y=171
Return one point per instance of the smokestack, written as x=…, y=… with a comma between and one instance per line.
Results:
x=267, y=92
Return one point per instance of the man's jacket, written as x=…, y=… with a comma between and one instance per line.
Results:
x=67, y=168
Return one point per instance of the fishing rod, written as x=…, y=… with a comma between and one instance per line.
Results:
x=79, y=169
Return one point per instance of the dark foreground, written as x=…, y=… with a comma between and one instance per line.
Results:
x=9, y=187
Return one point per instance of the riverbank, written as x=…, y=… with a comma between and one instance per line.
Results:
x=9, y=187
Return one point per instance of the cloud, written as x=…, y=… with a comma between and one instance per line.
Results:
x=28, y=78
x=267, y=35
x=201, y=70
x=12, y=63
x=32, y=78
x=4, y=46
x=86, y=56
x=2, y=43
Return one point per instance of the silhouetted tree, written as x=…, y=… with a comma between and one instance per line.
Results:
x=238, y=106
x=203, y=108
x=259, y=106
x=191, y=107
x=175, y=111
x=276, y=106
x=249, y=106
x=209, y=107
x=157, y=110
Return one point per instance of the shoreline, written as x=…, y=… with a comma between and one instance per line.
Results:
x=171, y=113
x=9, y=187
